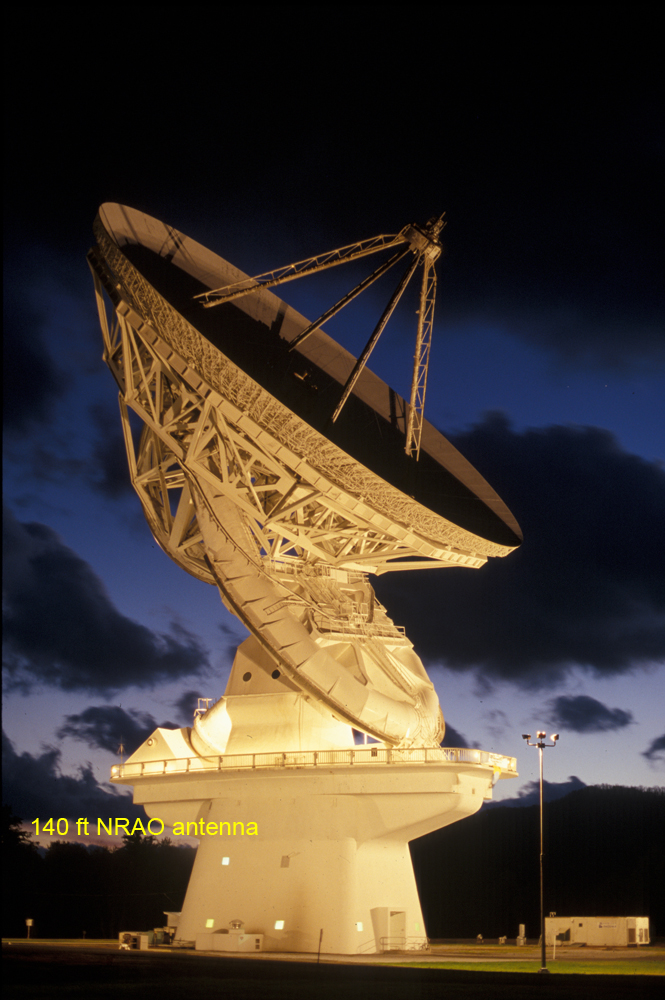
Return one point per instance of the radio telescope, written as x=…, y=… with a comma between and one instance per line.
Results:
x=279, y=468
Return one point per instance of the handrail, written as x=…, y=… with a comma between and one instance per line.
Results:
x=403, y=943
x=369, y=755
x=399, y=943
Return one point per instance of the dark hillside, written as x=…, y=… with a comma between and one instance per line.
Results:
x=603, y=856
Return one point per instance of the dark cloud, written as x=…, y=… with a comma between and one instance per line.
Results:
x=41, y=462
x=453, y=738
x=656, y=750
x=32, y=383
x=109, y=473
x=35, y=788
x=586, y=340
x=186, y=704
x=586, y=588
x=107, y=726
x=529, y=794
x=583, y=714
x=61, y=628
x=496, y=723
x=48, y=316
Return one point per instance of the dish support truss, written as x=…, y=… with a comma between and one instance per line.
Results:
x=423, y=243
x=288, y=550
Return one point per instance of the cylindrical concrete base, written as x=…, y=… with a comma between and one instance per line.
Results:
x=312, y=854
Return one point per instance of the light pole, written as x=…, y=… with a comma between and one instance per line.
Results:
x=540, y=737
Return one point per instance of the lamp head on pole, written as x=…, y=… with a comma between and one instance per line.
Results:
x=541, y=735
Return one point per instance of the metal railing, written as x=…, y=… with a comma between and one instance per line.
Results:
x=404, y=944
x=400, y=943
x=364, y=756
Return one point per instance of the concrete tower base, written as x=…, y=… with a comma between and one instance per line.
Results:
x=326, y=856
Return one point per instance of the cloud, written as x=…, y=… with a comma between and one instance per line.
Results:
x=186, y=704
x=35, y=788
x=529, y=794
x=47, y=322
x=61, y=628
x=656, y=751
x=586, y=588
x=497, y=723
x=583, y=714
x=454, y=738
x=578, y=331
x=107, y=726
x=32, y=383
x=108, y=464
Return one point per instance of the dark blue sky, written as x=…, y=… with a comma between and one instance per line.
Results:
x=269, y=136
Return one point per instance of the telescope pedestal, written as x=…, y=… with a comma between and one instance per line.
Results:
x=330, y=853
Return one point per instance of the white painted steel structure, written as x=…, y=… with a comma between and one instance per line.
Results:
x=246, y=484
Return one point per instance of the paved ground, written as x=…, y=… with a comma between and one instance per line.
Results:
x=99, y=971
x=450, y=952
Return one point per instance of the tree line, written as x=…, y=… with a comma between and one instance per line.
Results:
x=73, y=890
x=603, y=857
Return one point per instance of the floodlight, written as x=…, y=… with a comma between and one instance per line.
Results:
x=541, y=735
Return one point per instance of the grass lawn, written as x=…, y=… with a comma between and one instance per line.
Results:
x=605, y=967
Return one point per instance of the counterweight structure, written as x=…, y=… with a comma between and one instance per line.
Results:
x=275, y=466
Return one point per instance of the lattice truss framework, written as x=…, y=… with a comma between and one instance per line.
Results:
x=423, y=241
x=416, y=416
x=194, y=433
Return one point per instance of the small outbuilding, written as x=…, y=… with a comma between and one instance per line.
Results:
x=606, y=932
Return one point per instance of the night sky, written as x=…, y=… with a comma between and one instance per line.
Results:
x=270, y=136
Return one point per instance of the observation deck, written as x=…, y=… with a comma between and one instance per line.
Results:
x=367, y=756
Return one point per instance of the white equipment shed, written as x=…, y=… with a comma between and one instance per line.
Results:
x=607, y=932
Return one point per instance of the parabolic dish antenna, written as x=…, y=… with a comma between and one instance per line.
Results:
x=277, y=467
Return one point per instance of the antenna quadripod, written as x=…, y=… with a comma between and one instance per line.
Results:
x=279, y=468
